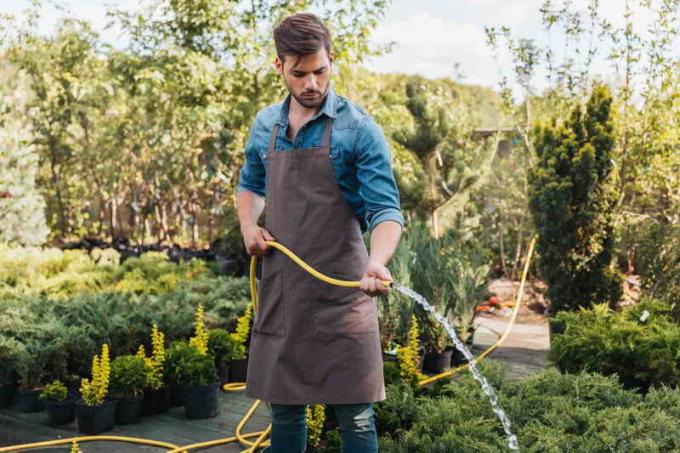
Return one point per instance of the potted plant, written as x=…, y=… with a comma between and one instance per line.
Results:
x=31, y=371
x=239, y=363
x=94, y=412
x=408, y=357
x=437, y=354
x=43, y=355
x=196, y=373
x=11, y=351
x=178, y=354
x=222, y=348
x=61, y=409
x=129, y=376
x=450, y=272
x=156, y=395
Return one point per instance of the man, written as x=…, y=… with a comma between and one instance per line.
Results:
x=323, y=166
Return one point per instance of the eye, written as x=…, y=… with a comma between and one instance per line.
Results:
x=320, y=71
x=298, y=75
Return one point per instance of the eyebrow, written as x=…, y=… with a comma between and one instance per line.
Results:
x=297, y=71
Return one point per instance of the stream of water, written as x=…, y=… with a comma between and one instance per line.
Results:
x=486, y=387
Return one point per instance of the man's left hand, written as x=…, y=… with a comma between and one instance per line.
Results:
x=371, y=282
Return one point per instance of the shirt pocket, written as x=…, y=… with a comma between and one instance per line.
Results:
x=336, y=153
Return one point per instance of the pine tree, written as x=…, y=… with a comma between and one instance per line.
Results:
x=572, y=199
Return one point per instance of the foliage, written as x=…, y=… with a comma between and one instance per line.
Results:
x=550, y=412
x=391, y=372
x=43, y=354
x=54, y=391
x=129, y=376
x=186, y=365
x=451, y=274
x=572, y=198
x=240, y=336
x=220, y=346
x=443, y=150
x=398, y=412
x=658, y=261
x=11, y=352
x=95, y=390
x=315, y=416
x=409, y=355
x=141, y=141
x=157, y=358
x=22, y=207
x=58, y=336
x=200, y=338
x=642, y=353
x=65, y=273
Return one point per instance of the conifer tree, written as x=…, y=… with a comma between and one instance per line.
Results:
x=572, y=198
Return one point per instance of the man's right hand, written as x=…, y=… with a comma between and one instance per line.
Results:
x=254, y=238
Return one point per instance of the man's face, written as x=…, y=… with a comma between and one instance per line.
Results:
x=307, y=77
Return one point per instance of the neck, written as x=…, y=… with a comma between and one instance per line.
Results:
x=298, y=110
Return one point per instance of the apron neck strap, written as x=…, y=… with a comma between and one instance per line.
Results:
x=325, y=141
x=272, y=139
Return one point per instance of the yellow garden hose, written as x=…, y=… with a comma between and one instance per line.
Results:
x=260, y=436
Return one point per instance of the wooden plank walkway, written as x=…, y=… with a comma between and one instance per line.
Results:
x=523, y=352
x=173, y=426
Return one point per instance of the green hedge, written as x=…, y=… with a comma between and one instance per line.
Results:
x=641, y=353
x=550, y=412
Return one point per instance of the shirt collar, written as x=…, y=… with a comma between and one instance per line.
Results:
x=329, y=108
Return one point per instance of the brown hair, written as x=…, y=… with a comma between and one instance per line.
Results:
x=301, y=34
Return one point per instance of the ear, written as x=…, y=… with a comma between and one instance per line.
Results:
x=331, y=57
x=278, y=65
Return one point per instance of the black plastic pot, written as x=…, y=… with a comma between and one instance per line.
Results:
x=61, y=412
x=437, y=362
x=457, y=357
x=177, y=397
x=238, y=370
x=201, y=401
x=223, y=373
x=128, y=410
x=28, y=401
x=95, y=419
x=156, y=401
x=7, y=392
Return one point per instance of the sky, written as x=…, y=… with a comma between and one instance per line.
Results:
x=430, y=37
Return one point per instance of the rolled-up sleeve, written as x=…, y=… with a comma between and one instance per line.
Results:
x=252, y=175
x=377, y=186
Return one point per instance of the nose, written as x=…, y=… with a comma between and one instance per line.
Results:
x=311, y=83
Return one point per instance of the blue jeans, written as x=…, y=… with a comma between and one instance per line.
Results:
x=357, y=428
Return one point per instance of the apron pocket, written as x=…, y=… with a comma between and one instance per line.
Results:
x=339, y=311
x=270, y=318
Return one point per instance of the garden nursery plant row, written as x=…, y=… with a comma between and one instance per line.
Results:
x=88, y=337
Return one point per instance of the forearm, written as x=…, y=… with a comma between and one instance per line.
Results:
x=249, y=207
x=384, y=241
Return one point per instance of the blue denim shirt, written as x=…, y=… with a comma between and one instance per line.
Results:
x=359, y=156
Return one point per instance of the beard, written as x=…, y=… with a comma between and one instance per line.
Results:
x=310, y=99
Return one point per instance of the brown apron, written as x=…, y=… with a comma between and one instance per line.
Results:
x=312, y=342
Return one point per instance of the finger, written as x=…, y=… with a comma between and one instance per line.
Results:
x=372, y=284
x=267, y=235
x=261, y=244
